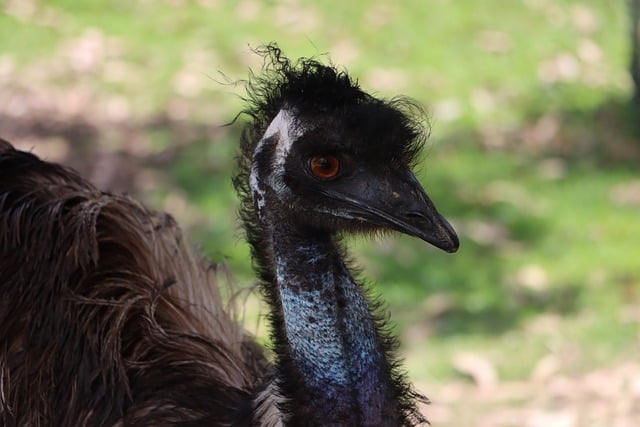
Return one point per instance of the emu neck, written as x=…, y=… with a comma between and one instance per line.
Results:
x=331, y=337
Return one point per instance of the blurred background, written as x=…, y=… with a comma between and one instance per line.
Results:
x=534, y=157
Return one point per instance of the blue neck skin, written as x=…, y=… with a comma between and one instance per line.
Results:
x=332, y=337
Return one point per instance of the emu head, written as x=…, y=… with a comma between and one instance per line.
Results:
x=325, y=155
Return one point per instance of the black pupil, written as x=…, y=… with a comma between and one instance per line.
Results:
x=325, y=164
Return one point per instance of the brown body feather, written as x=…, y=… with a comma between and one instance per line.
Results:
x=106, y=315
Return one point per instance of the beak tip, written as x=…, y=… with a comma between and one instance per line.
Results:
x=450, y=244
x=449, y=241
x=454, y=247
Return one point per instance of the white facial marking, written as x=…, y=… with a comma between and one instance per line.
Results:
x=288, y=130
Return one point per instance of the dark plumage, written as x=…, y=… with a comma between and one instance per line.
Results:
x=108, y=318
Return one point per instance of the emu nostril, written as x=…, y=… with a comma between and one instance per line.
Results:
x=416, y=215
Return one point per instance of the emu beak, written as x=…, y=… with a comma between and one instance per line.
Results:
x=419, y=217
x=400, y=203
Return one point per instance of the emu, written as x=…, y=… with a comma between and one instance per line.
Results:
x=108, y=318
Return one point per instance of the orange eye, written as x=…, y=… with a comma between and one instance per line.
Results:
x=324, y=167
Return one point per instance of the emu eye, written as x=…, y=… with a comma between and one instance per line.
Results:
x=324, y=167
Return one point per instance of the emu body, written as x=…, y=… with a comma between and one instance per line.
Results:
x=108, y=318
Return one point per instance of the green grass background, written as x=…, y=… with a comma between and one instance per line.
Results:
x=532, y=144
